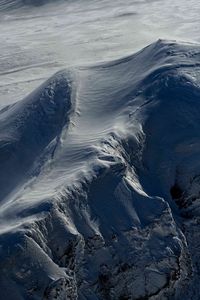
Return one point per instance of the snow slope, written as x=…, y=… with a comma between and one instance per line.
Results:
x=99, y=177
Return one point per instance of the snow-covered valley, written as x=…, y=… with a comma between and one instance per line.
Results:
x=99, y=163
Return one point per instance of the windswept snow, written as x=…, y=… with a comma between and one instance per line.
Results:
x=37, y=41
x=103, y=160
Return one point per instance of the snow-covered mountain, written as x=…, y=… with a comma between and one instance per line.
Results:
x=100, y=181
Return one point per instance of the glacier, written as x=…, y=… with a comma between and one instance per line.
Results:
x=100, y=181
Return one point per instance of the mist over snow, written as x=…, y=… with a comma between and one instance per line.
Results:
x=99, y=150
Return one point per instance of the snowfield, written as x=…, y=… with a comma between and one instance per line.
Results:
x=99, y=163
x=39, y=40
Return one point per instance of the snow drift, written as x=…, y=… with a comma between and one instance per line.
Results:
x=100, y=181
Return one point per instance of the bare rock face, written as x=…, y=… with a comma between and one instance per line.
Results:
x=99, y=182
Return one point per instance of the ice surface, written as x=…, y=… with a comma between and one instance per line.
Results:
x=92, y=162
